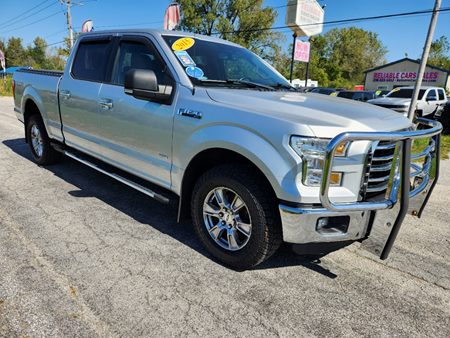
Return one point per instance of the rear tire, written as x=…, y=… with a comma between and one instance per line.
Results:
x=243, y=230
x=39, y=142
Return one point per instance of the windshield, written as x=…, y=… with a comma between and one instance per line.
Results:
x=217, y=64
x=404, y=93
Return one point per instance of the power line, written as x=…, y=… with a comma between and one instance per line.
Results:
x=54, y=33
x=334, y=22
x=288, y=30
x=31, y=23
x=27, y=11
x=54, y=43
x=28, y=16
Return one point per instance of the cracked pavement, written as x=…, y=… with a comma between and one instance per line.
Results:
x=83, y=255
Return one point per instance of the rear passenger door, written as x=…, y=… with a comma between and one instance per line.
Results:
x=78, y=93
x=442, y=100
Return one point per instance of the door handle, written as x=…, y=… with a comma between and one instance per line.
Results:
x=106, y=104
x=65, y=94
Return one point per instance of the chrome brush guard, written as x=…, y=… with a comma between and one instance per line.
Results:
x=402, y=195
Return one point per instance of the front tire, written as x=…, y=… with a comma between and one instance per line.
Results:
x=39, y=142
x=235, y=216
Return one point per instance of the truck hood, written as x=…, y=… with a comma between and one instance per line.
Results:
x=391, y=101
x=317, y=111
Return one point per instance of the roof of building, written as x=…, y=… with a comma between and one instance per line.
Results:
x=402, y=60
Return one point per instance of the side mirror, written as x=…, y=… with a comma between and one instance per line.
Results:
x=143, y=84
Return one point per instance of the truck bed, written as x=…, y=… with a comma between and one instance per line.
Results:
x=42, y=86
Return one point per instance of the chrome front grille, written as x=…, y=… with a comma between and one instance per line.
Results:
x=379, y=168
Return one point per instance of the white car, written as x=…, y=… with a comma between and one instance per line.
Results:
x=430, y=100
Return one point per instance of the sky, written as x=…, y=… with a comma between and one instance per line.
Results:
x=400, y=35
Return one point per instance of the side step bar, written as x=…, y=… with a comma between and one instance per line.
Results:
x=119, y=178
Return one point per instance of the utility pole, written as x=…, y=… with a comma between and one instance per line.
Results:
x=423, y=62
x=294, y=36
x=69, y=21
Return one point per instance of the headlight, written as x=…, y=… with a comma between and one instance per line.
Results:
x=312, y=152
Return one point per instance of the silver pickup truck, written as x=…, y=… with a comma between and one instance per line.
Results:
x=252, y=161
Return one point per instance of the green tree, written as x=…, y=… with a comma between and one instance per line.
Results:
x=352, y=51
x=440, y=53
x=15, y=53
x=338, y=58
x=37, y=53
x=239, y=21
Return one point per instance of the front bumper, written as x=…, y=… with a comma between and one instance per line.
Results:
x=300, y=225
x=413, y=178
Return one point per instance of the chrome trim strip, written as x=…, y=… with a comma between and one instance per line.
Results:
x=383, y=167
x=387, y=146
x=377, y=188
x=382, y=158
x=378, y=179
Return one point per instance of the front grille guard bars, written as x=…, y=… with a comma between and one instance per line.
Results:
x=399, y=189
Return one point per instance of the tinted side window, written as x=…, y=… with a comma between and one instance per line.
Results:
x=91, y=60
x=441, y=94
x=137, y=55
x=432, y=95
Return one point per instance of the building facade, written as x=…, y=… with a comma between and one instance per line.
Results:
x=404, y=73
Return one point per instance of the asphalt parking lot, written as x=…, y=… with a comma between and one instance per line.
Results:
x=83, y=255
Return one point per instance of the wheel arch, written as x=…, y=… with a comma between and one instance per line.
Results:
x=205, y=160
x=30, y=108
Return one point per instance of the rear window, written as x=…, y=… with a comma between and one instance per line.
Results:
x=441, y=94
x=91, y=60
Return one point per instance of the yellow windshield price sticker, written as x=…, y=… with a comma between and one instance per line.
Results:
x=183, y=44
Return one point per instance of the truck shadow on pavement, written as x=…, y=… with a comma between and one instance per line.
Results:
x=162, y=217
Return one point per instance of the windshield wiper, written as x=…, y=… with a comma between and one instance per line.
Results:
x=284, y=86
x=248, y=84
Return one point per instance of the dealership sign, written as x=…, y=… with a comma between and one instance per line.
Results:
x=304, y=17
x=301, y=52
x=404, y=76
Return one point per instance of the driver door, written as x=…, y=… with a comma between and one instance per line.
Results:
x=136, y=133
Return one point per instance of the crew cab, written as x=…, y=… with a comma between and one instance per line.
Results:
x=430, y=101
x=211, y=125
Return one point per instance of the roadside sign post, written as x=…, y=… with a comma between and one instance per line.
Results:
x=423, y=61
x=306, y=74
x=293, y=55
x=305, y=18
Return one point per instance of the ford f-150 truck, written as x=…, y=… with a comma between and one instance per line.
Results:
x=430, y=101
x=209, y=124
